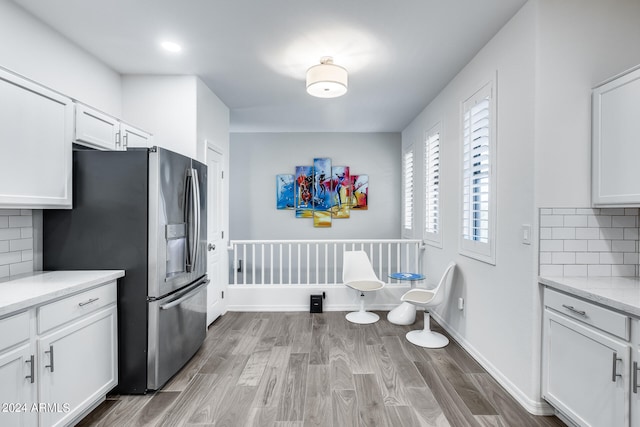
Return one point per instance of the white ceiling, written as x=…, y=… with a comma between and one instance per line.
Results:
x=254, y=54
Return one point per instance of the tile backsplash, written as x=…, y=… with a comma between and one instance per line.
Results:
x=589, y=242
x=16, y=242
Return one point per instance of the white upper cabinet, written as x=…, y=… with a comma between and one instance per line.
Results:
x=36, y=134
x=103, y=132
x=616, y=141
x=134, y=138
x=96, y=130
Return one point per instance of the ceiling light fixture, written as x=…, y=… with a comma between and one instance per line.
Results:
x=171, y=46
x=326, y=80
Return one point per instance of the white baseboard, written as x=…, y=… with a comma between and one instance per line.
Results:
x=535, y=407
x=296, y=297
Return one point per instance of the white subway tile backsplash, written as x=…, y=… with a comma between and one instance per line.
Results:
x=20, y=268
x=575, y=221
x=611, y=233
x=623, y=246
x=552, y=245
x=563, y=233
x=611, y=258
x=575, y=245
x=9, y=233
x=16, y=242
x=575, y=270
x=599, y=245
x=552, y=221
x=591, y=242
x=630, y=234
x=587, y=233
x=20, y=221
x=564, y=211
x=588, y=258
x=599, y=221
x=623, y=221
x=631, y=258
x=588, y=211
x=623, y=270
x=599, y=270
x=563, y=258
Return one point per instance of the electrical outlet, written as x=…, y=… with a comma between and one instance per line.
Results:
x=460, y=303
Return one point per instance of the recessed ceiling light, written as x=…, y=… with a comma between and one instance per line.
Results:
x=171, y=46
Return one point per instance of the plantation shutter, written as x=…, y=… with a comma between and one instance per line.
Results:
x=477, y=236
x=432, y=182
x=407, y=167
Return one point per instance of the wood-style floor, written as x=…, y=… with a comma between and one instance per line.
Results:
x=301, y=369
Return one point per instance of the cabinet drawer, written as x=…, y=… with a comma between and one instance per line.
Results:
x=59, y=312
x=609, y=321
x=14, y=330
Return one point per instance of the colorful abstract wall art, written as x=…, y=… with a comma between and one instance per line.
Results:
x=322, y=192
x=284, y=191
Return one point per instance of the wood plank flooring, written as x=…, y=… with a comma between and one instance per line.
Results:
x=302, y=369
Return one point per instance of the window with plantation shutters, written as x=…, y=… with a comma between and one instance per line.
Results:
x=432, y=233
x=407, y=176
x=478, y=180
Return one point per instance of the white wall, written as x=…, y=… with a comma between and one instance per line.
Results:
x=497, y=324
x=580, y=44
x=166, y=106
x=548, y=57
x=256, y=159
x=37, y=52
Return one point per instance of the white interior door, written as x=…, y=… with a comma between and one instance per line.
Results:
x=215, y=244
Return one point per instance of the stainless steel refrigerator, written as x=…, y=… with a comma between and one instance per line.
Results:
x=142, y=211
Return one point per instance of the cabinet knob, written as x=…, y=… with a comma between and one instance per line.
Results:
x=211, y=247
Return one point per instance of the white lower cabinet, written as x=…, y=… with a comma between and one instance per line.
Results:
x=18, y=390
x=586, y=362
x=58, y=360
x=635, y=373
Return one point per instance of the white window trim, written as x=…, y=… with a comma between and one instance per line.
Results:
x=485, y=252
x=407, y=232
x=432, y=238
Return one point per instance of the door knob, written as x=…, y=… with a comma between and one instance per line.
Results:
x=211, y=247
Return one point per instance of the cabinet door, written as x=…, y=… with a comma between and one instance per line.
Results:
x=616, y=147
x=36, y=133
x=17, y=388
x=96, y=130
x=635, y=373
x=78, y=365
x=133, y=137
x=585, y=373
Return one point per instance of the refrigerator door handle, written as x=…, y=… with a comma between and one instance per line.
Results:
x=196, y=211
x=184, y=296
x=192, y=241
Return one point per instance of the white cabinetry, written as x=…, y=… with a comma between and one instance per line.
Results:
x=635, y=373
x=17, y=371
x=60, y=359
x=36, y=132
x=616, y=141
x=103, y=132
x=586, y=371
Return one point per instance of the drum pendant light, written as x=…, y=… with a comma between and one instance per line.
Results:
x=327, y=80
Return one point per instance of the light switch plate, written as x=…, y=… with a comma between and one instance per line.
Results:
x=526, y=234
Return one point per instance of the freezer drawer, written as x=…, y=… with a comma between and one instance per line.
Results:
x=177, y=327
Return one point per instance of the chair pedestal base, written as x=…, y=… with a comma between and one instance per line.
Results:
x=362, y=317
x=404, y=314
x=427, y=339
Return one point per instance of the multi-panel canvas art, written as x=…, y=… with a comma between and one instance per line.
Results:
x=322, y=192
x=303, y=191
x=360, y=199
x=284, y=191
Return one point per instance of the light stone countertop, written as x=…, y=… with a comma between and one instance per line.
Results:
x=36, y=288
x=619, y=293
